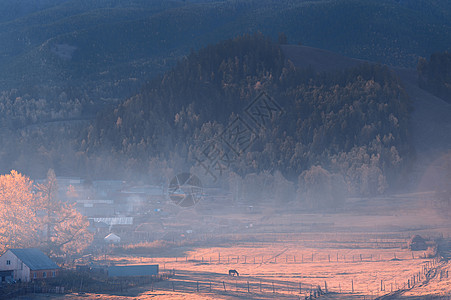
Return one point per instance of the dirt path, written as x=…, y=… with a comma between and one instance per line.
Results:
x=273, y=258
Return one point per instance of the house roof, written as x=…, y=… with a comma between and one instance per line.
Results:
x=115, y=220
x=112, y=236
x=35, y=259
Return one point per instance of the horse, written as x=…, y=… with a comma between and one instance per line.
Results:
x=233, y=273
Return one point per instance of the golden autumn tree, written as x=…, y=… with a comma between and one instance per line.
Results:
x=66, y=229
x=18, y=219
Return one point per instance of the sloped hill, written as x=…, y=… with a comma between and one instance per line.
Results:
x=350, y=121
x=116, y=40
x=318, y=59
x=430, y=119
x=430, y=125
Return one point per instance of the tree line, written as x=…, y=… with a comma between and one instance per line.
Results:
x=352, y=124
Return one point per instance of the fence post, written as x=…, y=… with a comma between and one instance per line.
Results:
x=197, y=286
x=173, y=286
x=223, y=283
x=300, y=288
x=273, y=289
x=352, y=285
x=248, y=286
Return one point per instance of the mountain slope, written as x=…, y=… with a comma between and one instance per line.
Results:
x=429, y=123
x=147, y=36
x=353, y=122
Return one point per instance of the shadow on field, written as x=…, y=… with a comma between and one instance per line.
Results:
x=247, y=287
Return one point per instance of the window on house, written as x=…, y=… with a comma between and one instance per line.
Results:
x=34, y=275
x=53, y=274
x=8, y=262
x=44, y=274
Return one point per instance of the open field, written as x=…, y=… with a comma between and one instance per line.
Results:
x=360, y=254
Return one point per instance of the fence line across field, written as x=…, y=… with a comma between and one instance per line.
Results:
x=247, y=285
x=243, y=284
x=382, y=287
x=292, y=259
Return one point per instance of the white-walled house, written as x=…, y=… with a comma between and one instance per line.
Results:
x=112, y=239
x=26, y=265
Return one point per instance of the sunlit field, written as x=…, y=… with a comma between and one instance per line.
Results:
x=351, y=256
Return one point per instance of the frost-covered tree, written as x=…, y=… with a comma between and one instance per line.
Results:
x=66, y=229
x=18, y=220
x=320, y=189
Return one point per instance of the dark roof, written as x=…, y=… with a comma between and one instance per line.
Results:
x=35, y=259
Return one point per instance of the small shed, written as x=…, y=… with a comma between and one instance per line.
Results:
x=112, y=239
x=417, y=243
x=26, y=265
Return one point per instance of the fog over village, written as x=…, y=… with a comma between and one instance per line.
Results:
x=219, y=149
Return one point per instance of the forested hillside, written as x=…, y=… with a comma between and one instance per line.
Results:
x=351, y=123
x=164, y=96
x=109, y=48
x=435, y=75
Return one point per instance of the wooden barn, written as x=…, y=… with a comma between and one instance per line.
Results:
x=26, y=265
